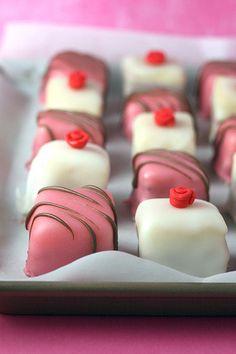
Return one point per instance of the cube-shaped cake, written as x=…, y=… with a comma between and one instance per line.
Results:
x=214, y=78
x=150, y=101
x=153, y=69
x=183, y=233
x=156, y=171
x=75, y=82
x=70, y=163
x=66, y=224
x=164, y=129
x=55, y=124
x=225, y=148
x=232, y=193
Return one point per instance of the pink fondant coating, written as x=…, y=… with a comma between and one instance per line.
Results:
x=52, y=244
x=206, y=80
x=151, y=101
x=156, y=171
x=67, y=62
x=225, y=147
x=55, y=124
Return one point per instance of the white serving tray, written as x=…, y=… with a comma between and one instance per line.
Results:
x=126, y=274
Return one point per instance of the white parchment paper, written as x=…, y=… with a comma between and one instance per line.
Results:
x=23, y=56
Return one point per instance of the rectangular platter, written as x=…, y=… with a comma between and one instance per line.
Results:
x=18, y=295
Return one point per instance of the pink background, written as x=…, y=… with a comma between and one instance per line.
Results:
x=24, y=335
x=191, y=17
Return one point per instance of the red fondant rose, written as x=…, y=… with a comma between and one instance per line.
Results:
x=77, y=138
x=155, y=57
x=165, y=117
x=77, y=80
x=181, y=197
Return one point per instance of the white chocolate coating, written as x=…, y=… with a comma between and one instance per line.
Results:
x=148, y=135
x=58, y=95
x=139, y=76
x=191, y=240
x=224, y=98
x=57, y=163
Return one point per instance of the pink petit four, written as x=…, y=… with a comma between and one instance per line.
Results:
x=156, y=171
x=75, y=82
x=225, y=147
x=66, y=224
x=55, y=124
x=151, y=101
x=208, y=75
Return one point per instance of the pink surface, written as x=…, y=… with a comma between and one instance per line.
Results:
x=24, y=335
x=78, y=335
x=192, y=17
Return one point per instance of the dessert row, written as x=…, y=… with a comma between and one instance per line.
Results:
x=70, y=212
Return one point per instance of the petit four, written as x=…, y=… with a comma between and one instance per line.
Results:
x=215, y=80
x=151, y=101
x=66, y=224
x=72, y=163
x=152, y=70
x=75, y=82
x=183, y=233
x=225, y=147
x=55, y=124
x=156, y=171
x=232, y=194
x=164, y=129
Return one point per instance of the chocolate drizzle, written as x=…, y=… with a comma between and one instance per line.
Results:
x=153, y=100
x=54, y=217
x=87, y=122
x=162, y=98
x=103, y=194
x=75, y=214
x=167, y=158
x=228, y=125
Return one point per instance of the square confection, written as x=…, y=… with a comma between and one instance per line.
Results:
x=164, y=129
x=224, y=98
x=75, y=82
x=209, y=83
x=186, y=235
x=232, y=194
x=158, y=170
x=152, y=70
x=225, y=148
x=66, y=224
x=69, y=163
x=223, y=101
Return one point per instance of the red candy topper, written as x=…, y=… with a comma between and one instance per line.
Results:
x=77, y=138
x=181, y=197
x=165, y=117
x=77, y=80
x=155, y=57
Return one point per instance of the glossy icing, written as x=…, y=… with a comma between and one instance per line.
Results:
x=207, y=76
x=65, y=225
x=156, y=171
x=225, y=148
x=191, y=240
x=138, y=75
x=57, y=163
x=148, y=135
